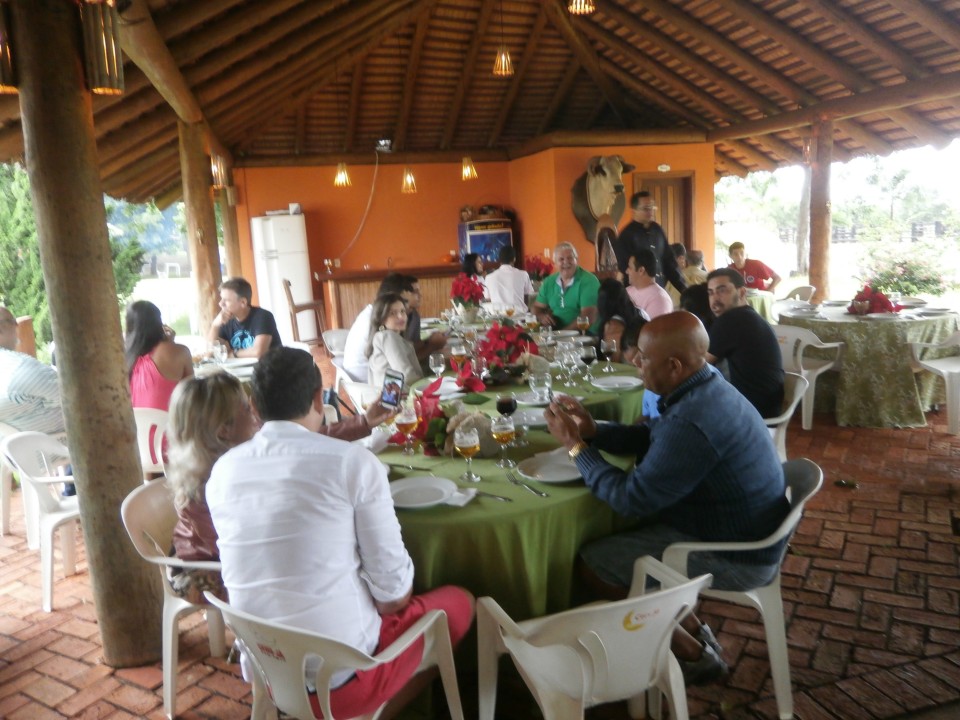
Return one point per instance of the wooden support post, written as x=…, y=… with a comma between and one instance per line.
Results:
x=820, y=209
x=61, y=158
x=228, y=217
x=201, y=221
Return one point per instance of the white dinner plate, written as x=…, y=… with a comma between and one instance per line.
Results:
x=929, y=312
x=241, y=373
x=616, y=382
x=531, y=398
x=566, y=333
x=429, y=321
x=836, y=303
x=421, y=492
x=912, y=302
x=585, y=340
x=239, y=362
x=549, y=468
x=883, y=317
x=532, y=418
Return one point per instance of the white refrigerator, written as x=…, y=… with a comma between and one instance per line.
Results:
x=280, y=253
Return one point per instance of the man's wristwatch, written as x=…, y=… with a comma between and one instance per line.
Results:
x=577, y=449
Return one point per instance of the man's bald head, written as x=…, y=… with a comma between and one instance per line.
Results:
x=8, y=329
x=673, y=347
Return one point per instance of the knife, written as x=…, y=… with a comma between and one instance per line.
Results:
x=501, y=498
x=529, y=488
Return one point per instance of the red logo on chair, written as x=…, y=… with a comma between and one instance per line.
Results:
x=270, y=652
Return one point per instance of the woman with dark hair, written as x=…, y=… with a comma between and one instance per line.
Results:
x=615, y=311
x=473, y=267
x=155, y=363
x=387, y=348
x=695, y=300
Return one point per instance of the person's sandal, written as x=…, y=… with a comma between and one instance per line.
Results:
x=705, y=636
x=709, y=668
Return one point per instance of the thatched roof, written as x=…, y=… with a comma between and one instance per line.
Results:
x=313, y=81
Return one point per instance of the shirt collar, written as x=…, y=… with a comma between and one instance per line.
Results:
x=698, y=378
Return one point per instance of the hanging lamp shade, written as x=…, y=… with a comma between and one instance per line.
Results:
x=580, y=7
x=342, y=178
x=8, y=81
x=503, y=65
x=218, y=171
x=409, y=185
x=101, y=47
x=469, y=172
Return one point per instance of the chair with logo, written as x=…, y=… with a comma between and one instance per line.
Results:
x=794, y=342
x=794, y=386
x=151, y=427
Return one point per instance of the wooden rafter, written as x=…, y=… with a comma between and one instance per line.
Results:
x=300, y=130
x=516, y=81
x=932, y=19
x=560, y=96
x=729, y=165
x=353, y=112
x=410, y=84
x=467, y=74
x=588, y=59
x=653, y=96
x=752, y=155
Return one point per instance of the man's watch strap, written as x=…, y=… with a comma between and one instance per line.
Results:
x=577, y=449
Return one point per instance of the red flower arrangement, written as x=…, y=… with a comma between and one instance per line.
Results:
x=432, y=421
x=504, y=345
x=466, y=290
x=537, y=266
x=879, y=303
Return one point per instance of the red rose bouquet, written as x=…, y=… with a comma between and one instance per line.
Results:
x=466, y=291
x=505, y=345
x=537, y=266
x=877, y=302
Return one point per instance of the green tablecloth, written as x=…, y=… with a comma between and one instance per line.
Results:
x=762, y=302
x=522, y=552
x=876, y=386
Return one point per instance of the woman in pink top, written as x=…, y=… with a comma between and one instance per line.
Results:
x=155, y=363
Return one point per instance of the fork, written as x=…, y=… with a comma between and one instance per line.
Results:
x=513, y=479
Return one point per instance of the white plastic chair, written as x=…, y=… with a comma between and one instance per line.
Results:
x=596, y=653
x=330, y=414
x=6, y=482
x=149, y=516
x=804, y=478
x=35, y=457
x=794, y=387
x=949, y=369
x=361, y=395
x=801, y=292
x=794, y=341
x=151, y=427
x=278, y=654
x=336, y=341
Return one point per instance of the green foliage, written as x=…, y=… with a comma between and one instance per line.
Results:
x=911, y=270
x=22, y=287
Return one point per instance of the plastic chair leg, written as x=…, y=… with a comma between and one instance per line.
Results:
x=46, y=569
x=806, y=407
x=953, y=403
x=6, y=491
x=263, y=707
x=31, y=515
x=171, y=651
x=215, y=629
x=487, y=663
x=443, y=653
x=771, y=609
x=68, y=547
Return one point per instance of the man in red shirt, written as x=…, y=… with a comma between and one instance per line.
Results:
x=755, y=273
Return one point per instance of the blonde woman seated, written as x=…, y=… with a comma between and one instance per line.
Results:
x=387, y=348
x=208, y=416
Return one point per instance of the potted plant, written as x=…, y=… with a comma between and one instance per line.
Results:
x=507, y=349
x=466, y=294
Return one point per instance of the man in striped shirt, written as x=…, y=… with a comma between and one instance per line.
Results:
x=29, y=390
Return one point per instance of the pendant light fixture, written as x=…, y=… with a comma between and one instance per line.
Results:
x=8, y=80
x=409, y=185
x=580, y=7
x=469, y=172
x=342, y=178
x=503, y=65
x=218, y=170
x=101, y=46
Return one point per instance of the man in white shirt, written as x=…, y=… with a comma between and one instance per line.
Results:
x=507, y=285
x=646, y=295
x=355, y=350
x=308, y=535
x=29, y=389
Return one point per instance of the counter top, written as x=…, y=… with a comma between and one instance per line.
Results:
x=380, y=273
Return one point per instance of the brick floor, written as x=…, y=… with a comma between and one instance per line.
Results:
x=871, y=593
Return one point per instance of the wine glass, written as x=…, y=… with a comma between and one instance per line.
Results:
x=569, y=359
x=219, y=353
x=540, y=385
x=583, y=322
x=438, y=363
x=588, y=354
x=609, y=349
x=506, y=404
x=504, y=432
x=458, y=355
x=466, y=441
x=406, y=422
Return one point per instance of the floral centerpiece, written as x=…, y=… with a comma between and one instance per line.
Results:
x=869, y=300
x=466, y=294
x=537, y=267
x=507, y=349
x=432, y=426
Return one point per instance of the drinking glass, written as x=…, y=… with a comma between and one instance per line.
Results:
x=504, y=432
x=506, y=404
x=588, y=354
x=894, y=298
x=466, y=441
x=583, y=322
x=458, y=355
x=406, y=422
x=540, y=385
x=438, y=363
x=218, y=352
x=569, y=359
x=609, y=349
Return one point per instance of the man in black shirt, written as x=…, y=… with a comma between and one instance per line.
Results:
x=248, y=331
x=747, y=343
x=644, y=232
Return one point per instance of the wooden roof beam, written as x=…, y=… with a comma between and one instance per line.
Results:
x=369, y=158
x=410, y=84
x=932, y=20
x=184, y=17
x=729, y=165
x=353, y=112
x=599, y=138
x=300, y=130
x=752, y=155
x=935, y=87
x=467, y=74
x=588, y=59
x=516, y=81
x=560, y=96
x=816, y=58
x=653, y=96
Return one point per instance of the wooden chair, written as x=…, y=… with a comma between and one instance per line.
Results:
x=315, y=306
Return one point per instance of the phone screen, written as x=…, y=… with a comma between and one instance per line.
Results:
x=392, y=388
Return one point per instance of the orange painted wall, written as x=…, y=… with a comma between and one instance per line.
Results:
x=420, y=229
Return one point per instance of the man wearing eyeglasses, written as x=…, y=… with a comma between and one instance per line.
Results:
x=645, y=232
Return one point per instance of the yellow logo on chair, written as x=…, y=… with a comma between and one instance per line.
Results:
x=634, y=621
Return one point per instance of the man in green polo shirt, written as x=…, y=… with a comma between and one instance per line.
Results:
x=568, y=293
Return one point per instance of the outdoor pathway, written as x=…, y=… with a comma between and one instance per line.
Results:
x=871, y=590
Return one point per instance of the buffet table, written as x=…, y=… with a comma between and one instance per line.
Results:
x=876, y=386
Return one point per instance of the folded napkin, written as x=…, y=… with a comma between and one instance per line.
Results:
x=375, y=442
x=461, y=497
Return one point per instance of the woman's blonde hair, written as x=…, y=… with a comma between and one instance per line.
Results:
x=202, y=413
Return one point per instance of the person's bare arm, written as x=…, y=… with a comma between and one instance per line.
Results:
x=544, y=316
x=774, y=281
x=261, y=343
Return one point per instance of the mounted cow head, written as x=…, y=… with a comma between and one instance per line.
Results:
x=599, y=191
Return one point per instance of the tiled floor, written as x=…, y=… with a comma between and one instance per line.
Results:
x=871, y=590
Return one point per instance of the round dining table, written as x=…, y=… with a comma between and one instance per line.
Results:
x=876, y=385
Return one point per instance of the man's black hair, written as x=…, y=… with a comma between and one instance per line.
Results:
x=285, y=381
x=644, y=258
x=396, y=283
x=240, y=286
x=637, y=197
x=507, y=255
x=734, y=276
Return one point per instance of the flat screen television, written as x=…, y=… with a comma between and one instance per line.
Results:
x=485, y=237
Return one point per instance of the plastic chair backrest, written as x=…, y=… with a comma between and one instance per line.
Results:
x=604, y=652
x=36, y=455
x=330, y=414
x=280, y=652
x=804, y=478
x=792, y=342
x=362, y=395
x=151, y=426
x=336, y=341
x=149, y=515
x=802, y=292
x=794, y=386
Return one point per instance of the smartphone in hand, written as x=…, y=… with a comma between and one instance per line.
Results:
x=392, y=389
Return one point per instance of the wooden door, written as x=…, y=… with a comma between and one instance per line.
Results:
x=674, y=200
